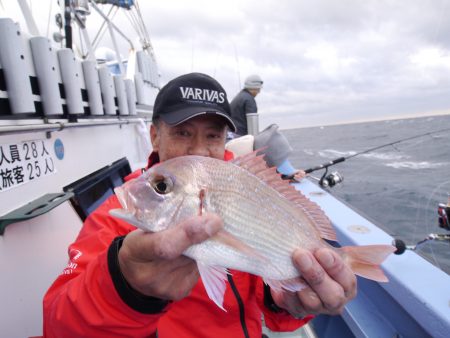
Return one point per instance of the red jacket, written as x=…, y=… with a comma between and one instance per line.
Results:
x=91, y=299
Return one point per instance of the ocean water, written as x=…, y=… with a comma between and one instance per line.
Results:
x=397, y=187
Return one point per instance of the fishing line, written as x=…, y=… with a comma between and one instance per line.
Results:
x=344, y=158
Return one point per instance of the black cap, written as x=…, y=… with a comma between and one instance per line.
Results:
x=191, y=95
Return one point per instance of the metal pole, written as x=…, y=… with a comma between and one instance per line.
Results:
x=94, y=6
x=31, y=24
x=67, y=25
x=116, y=48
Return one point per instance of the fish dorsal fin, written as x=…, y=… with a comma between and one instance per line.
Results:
x=256, y=165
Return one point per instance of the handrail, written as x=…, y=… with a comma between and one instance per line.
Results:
x=59, y=126
x=33, y=209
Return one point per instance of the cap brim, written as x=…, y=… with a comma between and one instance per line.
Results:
x=182, y=115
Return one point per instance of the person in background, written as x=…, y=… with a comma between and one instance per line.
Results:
x=123, y=282
x=244, y=103
x=276, y=149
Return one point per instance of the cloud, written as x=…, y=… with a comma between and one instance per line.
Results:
x=322, y=62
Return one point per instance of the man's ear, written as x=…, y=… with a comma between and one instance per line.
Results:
x=154, y=137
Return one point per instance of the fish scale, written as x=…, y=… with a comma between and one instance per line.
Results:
x=240, y=222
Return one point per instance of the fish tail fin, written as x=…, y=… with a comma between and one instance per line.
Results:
x=365, y=260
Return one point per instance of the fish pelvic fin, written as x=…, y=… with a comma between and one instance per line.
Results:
x=293, y=284
x=214, y=279
x=365, y=260
x=256, y=165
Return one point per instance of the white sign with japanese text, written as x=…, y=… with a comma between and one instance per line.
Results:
x=24, y=162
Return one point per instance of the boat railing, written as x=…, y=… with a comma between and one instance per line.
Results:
x=414, y=303
x=59, y=126
x=38, y=80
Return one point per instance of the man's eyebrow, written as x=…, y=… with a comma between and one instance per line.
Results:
x=216, y=126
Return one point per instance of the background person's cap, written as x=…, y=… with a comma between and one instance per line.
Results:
x=253, y=82
x=192, y=95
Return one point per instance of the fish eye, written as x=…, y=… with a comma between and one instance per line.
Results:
x=162, y=185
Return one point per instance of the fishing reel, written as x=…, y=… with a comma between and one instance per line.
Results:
x=444, y=223
x=330, y=180
x=444, y=215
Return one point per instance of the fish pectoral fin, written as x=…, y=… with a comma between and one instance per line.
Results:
x=293, y=284
x=214, y=279
x=228, y=239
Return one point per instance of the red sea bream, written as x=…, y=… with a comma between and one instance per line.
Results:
x=265, y=219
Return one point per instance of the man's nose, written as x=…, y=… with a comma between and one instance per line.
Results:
x=198, y=147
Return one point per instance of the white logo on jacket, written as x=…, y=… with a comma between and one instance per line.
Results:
x=202, y=94
x=74, y=254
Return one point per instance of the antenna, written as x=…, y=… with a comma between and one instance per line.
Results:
x=192, y=55
x=236, y=57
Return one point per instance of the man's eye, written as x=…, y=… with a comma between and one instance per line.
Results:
x=182, y=133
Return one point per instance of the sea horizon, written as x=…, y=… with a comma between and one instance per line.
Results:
x=266, y=120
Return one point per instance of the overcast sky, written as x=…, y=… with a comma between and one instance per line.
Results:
x=322, y=61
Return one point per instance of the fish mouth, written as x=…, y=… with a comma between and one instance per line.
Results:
x=128, y=211
x=122, y=214
x=124, y=200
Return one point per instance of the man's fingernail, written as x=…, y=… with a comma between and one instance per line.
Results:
x=326, y=259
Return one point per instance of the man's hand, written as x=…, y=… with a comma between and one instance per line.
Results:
x=299, y=175
x=331, y=284
x=152, y=263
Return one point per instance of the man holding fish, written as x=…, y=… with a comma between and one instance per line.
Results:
x=126, y=281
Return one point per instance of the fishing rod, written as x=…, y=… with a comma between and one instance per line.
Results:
x=335, y=178
x=443, y=222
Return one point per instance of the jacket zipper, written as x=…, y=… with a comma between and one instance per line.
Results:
x=241, y=306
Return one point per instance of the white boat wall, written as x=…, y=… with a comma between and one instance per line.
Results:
x=63, y=119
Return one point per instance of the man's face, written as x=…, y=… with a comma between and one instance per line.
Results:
x=203, y=135
x=254, y=91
